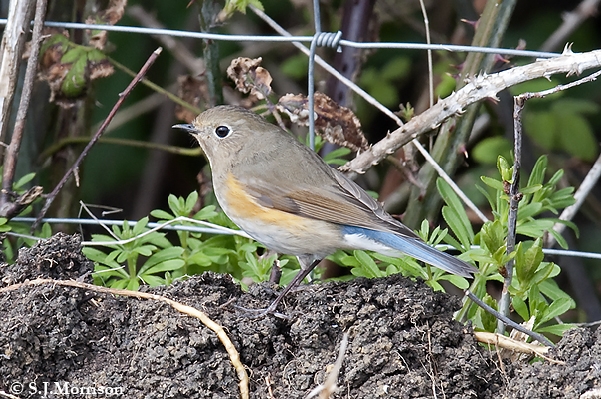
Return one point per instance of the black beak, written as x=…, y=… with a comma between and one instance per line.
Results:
x=185, y=126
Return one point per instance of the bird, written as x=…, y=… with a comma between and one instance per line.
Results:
x=284, y=195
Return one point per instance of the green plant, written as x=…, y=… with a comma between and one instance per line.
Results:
x=140, y=255
x=533, y=291
x=21, y=231
x=120, y=267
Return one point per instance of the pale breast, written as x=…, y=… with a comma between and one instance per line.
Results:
x=281, y=231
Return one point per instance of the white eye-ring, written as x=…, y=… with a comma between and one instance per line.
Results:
x=222, y=131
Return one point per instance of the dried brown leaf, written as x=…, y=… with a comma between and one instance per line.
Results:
x=192, y=90
x=113, y=13
x=70, y=68
x=334, y=123
x=250, y=77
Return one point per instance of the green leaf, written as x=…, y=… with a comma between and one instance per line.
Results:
x=4, y=225
x=368, y=266
x=23, y=181
x=191, y=201
x=538, y=172
x=206, y=213
x=446, y=86
x=577, y=137
x=494, y=183
x=534, y=228
x=487, y=150
x=492, y=236
x=336, y=157
x=531, y=189
x=556, y=329
x=505, y=169
x=75, y=80
x=550, y=289
x=133, y=284
x=542, y=128
x=100, y=257
x=168, y=265
x=455, y=215
x=174, y=205
x=528, y=261
x=154, y=281
x=557, y=308
x=520, y=307
x=140, y=226
x=406, y=265
x=528, y=210
x=162, y=256
x=145, y=250
x=457, y=281
x=161, y=214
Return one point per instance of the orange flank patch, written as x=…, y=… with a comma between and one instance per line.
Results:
x=244, y=206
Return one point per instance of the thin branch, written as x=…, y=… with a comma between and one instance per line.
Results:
x=505, y=342
x=12, y=152
x=571, y=20
x=514, y=199
x=180, y=52
x=180, y=307
x=591, y=178
x=156, y=87
x=429, y=52
x=508, y=321
x=329, y=386
x=86, y=150
x=589, y=182
x=478, y=88
x=11, y=53
x=190, y=152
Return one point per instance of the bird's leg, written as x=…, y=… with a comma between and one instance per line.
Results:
x=294, y=283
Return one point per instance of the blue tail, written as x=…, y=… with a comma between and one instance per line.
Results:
x=386, y=242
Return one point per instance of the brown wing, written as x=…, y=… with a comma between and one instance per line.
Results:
x=341, y=202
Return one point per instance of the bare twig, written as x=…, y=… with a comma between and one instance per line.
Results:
x=11, y=53
x=511, y=344
x=8, y=395
x=193, y=64
x=571, y=21
x=591, y=178
x=429, y=52
x=514, y=199
x=180, y=307
x=589, y=182
x=478, y=88
x=329, y=386
x=12, y=152
x=506, y=320
x=84, y=153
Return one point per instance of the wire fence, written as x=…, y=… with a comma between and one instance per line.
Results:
x=320, y=38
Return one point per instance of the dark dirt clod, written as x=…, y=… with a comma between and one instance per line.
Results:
x=402, y=341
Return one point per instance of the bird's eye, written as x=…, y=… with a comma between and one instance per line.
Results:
x=222, y=131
